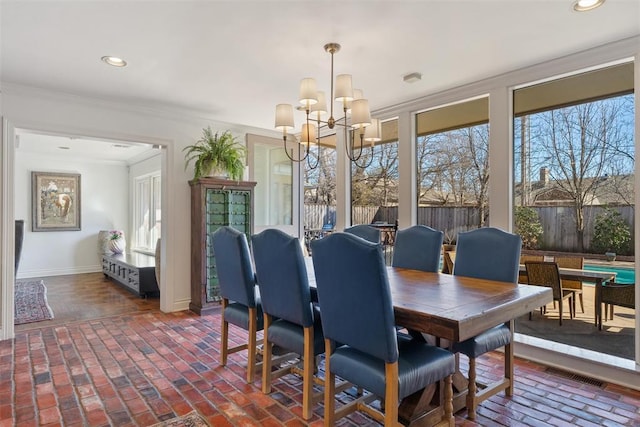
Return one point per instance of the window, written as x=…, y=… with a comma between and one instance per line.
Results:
x=320, y=187
x=374, y=188
x=147, y=212
x=574, y=165
x=452, y=155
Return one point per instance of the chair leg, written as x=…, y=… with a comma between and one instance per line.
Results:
x=572, y=306
x=391, y=394
x=581, y=302
x=448, y=417
x=329, y=387
x=560, y=310
x=307, y=377
x=471, y=390
x=252, y=346
x=267, y=352
x=224, y=340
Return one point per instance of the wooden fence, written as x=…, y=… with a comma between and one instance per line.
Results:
x=558, y=224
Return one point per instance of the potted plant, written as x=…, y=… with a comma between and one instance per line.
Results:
x=219, y=155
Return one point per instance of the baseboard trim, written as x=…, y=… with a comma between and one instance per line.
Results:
x=59, y=272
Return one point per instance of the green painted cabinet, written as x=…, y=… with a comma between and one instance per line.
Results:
x=214, y=203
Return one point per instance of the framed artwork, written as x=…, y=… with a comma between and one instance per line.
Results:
x=55, y=201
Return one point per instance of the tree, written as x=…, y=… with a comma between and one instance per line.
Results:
x=453, y=168
x=577, y=143
x=320, y=183
x=377, y=184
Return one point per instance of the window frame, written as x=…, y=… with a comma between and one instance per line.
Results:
x=153, y=195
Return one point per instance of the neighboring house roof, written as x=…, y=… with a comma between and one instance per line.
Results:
x=606, y=190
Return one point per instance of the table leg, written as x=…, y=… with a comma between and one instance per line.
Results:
x=508, y=361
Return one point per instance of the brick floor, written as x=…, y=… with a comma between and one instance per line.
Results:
x=139, y=369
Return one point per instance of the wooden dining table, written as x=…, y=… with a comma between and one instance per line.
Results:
x=597, y=277
x=453, y=308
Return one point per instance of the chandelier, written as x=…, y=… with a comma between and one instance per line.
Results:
x=314, y=104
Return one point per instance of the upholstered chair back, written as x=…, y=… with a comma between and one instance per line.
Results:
x=354, y=295
x=233, y=265
x=488, y=253
x=282, y=276
x=418, y=248
x=364, y=231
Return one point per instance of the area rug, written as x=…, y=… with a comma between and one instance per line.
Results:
x=31, y=302
x=192, y=419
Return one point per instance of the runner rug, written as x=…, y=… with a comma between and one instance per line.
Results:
x=192, y=419
x=31, y=302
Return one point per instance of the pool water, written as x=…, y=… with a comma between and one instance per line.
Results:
x=624, y=275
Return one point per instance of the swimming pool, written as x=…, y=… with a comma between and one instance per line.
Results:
x=624, y=275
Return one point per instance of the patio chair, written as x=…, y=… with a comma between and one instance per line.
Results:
x=240, y=306
x=541, y=273
x=291, y=321
x=492, y=254
x=449, y=260
x=365, y=232
x=522, y=277
x=574, y=285
x=622, y=295
x=418, y=248
x=357, y=311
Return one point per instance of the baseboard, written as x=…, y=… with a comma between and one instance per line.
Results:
x=180, y=305
x=58, y=272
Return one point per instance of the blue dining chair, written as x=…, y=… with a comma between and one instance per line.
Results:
x=492, y=254
x=240, y=306
x=419, y=248
x=291, y=321
x=364, y=231
x=357, y=311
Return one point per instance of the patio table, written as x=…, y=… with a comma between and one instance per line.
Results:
x=454, y=308
x=598, y=277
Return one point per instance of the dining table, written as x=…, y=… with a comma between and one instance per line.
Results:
x=453, y=308
x=599, y=278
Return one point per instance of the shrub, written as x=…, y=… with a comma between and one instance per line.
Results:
x=528, y=226
x=611, y=233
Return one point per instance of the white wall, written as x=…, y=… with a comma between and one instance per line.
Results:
x=57, y=113
x=104, y=204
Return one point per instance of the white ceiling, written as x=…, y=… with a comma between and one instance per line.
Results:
x=83, y=148
x=235, y=60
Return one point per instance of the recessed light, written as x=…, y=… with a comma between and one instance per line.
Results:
x=114, y=61
x=585, y=5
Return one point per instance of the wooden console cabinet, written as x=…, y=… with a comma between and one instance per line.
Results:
x=135, y=271
x=214, y=203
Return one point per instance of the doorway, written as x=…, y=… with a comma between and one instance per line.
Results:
x=106, y=169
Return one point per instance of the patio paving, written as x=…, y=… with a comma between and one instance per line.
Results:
x=616, y=337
